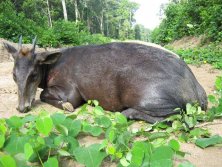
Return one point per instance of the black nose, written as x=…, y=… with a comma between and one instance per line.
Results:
x=23, y=109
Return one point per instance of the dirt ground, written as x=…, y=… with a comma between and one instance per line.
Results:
x=210, y=157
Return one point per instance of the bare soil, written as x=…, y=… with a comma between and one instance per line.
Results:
x=205, y=74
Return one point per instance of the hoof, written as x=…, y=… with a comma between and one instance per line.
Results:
x=67, y=106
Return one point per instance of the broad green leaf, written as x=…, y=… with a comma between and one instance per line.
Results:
x=103, y=121
x=15, y=144
x=111, y=134
x=20, y=160
x=205, y=142
x=44, y=124
x=190, y=109
x=7, y=161
x=29, y=118
x=93, y=130
x=120, y=118
x=212, y=99
x=98, y=110
x=72, y=144
x=156, y=135
x=28, y=150
x=58, y=118
x=51, y=162
x=139, y=151
x=14, y=122
x=198, y=132
x=162, y=156
x=62, y=129
x=3, y=128
x=174, y=145
x=73, y=126
x=58, y=141
x=190, y=121
x=90, y=156
x=2, y=140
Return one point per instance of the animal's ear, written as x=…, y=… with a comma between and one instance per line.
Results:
x=48, y=57
x=10, y=48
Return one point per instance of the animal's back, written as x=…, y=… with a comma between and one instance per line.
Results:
x=122, y=75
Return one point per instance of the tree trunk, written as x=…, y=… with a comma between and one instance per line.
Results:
x=76, y=10
x=64, y=10
x=49, y=14
x=101, y=24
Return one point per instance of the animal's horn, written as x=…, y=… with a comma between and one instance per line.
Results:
x=34, y=43
x=20, y=42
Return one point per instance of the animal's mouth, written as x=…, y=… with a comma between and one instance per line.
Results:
x=25, y=108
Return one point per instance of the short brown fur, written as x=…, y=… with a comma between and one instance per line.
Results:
x=24, y=51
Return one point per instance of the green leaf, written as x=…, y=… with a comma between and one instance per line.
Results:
x=139, y=151
x=29, y=118
x=174, y=145
x=93, y=130
x=103, y=121
x=73, y=126
x=62, y=129
x=90, y=156
x=120, y=118
x=156, y=135
x=15, y=144
x=162, y=156
x=14, y=122
x=28, y=150
x=7, y=161
x=72, y=144
x=51, y=162
x=58, y=118
x=111, y=134
x=205, y=142
x=2, y=140
x=3, y=128
x=212, y=99
x=44, y=124
x=98, y=110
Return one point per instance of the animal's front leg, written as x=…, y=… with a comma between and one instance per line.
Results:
x=57, y=98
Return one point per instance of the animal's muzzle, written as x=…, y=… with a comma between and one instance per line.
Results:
x=23, y=109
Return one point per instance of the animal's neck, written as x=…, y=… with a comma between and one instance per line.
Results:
x=44, y=71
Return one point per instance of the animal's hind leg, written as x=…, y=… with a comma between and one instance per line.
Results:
x=139, y=115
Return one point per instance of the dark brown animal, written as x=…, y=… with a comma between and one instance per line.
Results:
x=143, y=82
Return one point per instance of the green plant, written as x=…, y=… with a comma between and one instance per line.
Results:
x=45, y=139
x=201, y=55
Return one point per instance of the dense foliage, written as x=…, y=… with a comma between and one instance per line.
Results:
x=44, y=18
x=190, y=17
x=47, y=139
x=211, y=54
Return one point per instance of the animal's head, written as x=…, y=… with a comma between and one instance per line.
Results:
x=27, y=71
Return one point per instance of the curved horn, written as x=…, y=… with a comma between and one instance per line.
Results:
x=34, y=43
x=20, y=42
